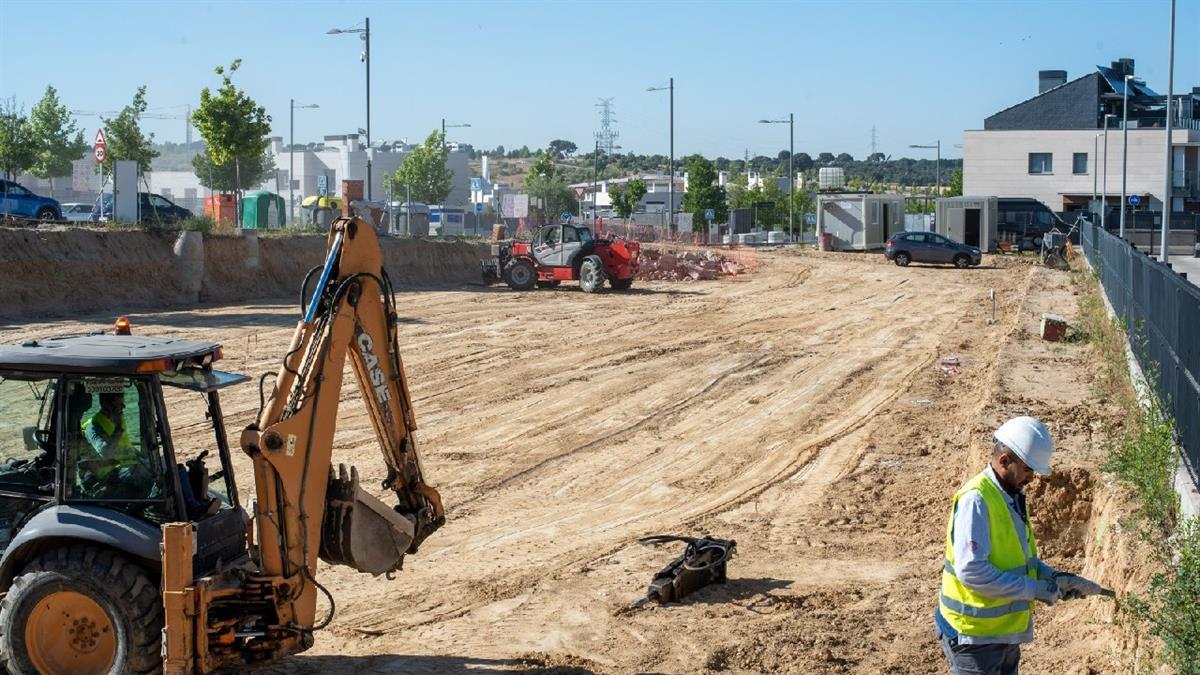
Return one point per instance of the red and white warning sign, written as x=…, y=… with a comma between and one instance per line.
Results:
x=101, y=149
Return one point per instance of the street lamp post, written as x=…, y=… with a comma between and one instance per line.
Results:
x=1125, y=147
x=670, y=88
x=366, y=59
x=791, y=122
x=1095, y=169
x=292, y=156
x=1104, y=179
x=1166, y=215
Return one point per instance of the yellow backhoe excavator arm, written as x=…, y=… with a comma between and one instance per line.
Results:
x=305, y=509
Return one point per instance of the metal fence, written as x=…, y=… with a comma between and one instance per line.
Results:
x=1161, y=311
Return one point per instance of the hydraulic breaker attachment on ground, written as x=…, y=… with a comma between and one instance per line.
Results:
x=702, y=563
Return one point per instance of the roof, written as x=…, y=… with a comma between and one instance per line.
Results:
x=100, y=353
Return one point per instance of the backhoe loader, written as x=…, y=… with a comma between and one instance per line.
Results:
x=120, y=556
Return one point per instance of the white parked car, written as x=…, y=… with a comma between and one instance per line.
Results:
x=77, y=212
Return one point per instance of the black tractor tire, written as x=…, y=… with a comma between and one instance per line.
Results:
x=47, y=213
x=902, y=259
x=548, y=284
x=129, y=609
x=961, y=261
x=519, y=275
x=621, y=284
x=591, y=274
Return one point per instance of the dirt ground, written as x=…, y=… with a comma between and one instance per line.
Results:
x=802, y=410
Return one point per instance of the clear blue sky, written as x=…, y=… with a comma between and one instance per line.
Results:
x=524, y=73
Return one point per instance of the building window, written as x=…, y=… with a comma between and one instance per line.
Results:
x=1079, y=163
x=1041, y=162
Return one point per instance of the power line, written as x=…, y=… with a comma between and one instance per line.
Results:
x=607, y=135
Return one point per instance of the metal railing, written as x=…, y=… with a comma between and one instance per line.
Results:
x=1161, y=312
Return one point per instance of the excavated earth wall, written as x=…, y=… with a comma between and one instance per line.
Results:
x=70, y=271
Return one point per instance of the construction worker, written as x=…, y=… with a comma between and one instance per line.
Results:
x=992, y=574
x=105, y=429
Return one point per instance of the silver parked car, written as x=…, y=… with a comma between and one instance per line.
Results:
x=77, y=212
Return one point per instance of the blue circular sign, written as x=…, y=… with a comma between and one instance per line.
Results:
x=1134, y=200
x=566, y=216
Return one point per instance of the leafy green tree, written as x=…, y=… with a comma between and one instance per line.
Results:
x=563, y=148
x=845, y=158
x=955, y=187
x=233, y=125
x=57, y=140
x=703, y=193
x=803, y=162
x=17, y=147
x=125, y=138
x=424, y=170
x=825, y=158
x=225, y=177
x=545, y=183
x=625, y=200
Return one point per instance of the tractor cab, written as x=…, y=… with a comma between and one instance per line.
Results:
x=561, y=245
x=87, y=455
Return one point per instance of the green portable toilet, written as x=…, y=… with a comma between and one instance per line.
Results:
x=262, y=210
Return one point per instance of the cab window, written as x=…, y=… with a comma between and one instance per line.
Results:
x=585, y=235
x=114, y=444
x=570, y=235
x=27, y=424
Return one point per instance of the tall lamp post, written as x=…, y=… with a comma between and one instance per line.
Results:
x=1166, y=216
x=790, y=121
x=1104, y=179
x=292, y=156
x=937, y=167
x=366, y=59
x=1095, y=169
x=1125, y=147
x=671, y=159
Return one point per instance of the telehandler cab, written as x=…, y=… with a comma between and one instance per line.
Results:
x=109, y=567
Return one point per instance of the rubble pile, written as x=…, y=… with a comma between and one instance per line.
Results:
x=687, y=265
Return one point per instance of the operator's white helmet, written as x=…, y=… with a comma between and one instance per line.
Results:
x=1029, y=440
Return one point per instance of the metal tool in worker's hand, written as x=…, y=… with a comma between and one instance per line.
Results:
x=1073, y=587
x=702, y=563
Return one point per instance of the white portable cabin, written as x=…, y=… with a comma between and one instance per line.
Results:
x=859, y=221
x=969, y=220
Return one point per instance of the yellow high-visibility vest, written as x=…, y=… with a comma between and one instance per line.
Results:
x=970, y=612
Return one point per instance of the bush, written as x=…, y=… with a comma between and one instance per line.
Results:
x=197, y=223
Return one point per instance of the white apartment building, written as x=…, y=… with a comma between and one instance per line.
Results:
x=1052, y=147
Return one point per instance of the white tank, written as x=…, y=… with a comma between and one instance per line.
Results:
x=831, y=178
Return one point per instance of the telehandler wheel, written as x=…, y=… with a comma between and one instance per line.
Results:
x=621, y=284
x=519, y=275
x=81, y=609
x=591, y=274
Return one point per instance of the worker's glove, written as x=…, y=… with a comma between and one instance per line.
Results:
x=1073, y=586
x=1047, y=591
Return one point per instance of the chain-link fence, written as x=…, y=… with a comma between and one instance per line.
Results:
x=1161, y=311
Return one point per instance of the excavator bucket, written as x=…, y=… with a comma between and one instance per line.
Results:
x=359, y=530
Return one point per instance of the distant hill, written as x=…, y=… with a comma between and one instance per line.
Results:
x=176, y=156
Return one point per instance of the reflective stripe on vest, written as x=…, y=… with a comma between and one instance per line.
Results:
x=968, y=611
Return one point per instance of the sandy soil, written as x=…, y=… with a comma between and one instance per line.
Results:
x=801, y=410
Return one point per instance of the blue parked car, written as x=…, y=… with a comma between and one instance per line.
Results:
x=15, y=200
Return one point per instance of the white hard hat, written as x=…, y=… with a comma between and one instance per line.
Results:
x=1029, y=440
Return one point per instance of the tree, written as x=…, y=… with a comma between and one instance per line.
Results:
x=703, y=193
x=625, y=200
x=17, y=148
x=424, y=170
x=845, y=157
x=803, y=162
x=225, y=177
x=825, y=158
x=233, y=126
x=545, y=183
x=876, y=157
x=955, y=187
x=125, y=138
x=563, y=148
x=57, y=140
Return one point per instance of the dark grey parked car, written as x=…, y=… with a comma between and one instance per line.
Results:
x=930, y=247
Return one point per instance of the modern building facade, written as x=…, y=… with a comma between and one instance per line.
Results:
x=1052, y=147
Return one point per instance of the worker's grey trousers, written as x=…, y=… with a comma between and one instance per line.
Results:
x=981, y=659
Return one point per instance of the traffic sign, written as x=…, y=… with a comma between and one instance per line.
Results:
x=322, y=185
x=580, y=192
x=566, y=216
x=478, y=207
x=100, y=138
x=1134, y=200
x=810, y=219
x=710, y=214
x=100, y=153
